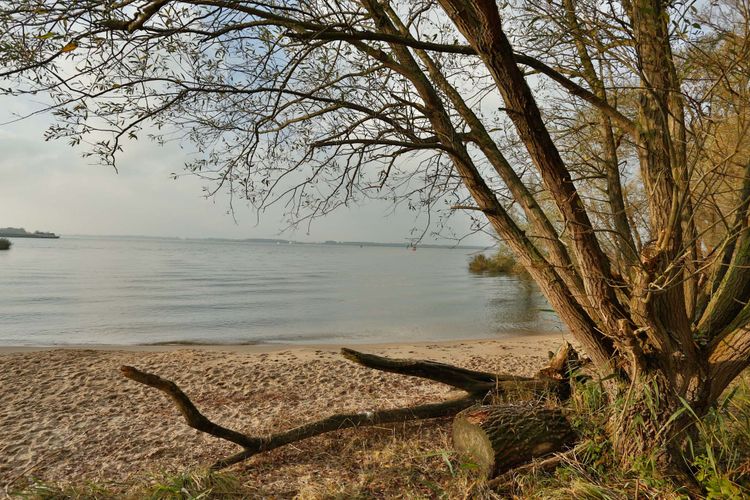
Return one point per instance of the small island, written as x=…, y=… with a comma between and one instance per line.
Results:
x=19, y=232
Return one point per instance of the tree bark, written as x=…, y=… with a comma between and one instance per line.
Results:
x=728, y=356
x=663, y=311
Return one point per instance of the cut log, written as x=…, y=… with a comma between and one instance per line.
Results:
x=500, y=437
x=506, y=480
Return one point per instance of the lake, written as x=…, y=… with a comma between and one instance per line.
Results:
x=125, y=291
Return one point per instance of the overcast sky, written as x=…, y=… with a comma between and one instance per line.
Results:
x=48, y=186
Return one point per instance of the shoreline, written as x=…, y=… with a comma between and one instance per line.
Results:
x=266, y=347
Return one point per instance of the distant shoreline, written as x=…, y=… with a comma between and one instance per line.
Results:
x=280, y=241
x=37, y=236
x=266, y=347
x=19, y=232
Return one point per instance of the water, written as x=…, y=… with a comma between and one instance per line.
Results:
x=141, y=291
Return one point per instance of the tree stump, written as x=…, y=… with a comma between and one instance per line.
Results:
x=500, y=437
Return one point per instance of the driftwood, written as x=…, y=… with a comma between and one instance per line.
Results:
x=480, y=387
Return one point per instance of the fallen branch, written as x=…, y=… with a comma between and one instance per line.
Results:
x=252, y=445
x=346, y=421
x=478, y=386
x=193, y=416
x=468, y=380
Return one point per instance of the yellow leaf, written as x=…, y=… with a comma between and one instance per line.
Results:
x=70, y=46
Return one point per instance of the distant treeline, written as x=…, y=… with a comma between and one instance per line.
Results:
x=19, y=232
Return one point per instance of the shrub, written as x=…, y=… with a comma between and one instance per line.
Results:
x=500, y=263
x=5, y=244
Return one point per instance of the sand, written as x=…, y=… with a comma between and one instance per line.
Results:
x=67, y=414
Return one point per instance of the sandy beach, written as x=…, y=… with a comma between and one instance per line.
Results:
x=67, y=415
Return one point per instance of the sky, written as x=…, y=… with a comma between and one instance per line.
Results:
x=48, y=186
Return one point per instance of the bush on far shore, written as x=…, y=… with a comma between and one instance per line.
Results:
x=5, y=244
x=500, y=263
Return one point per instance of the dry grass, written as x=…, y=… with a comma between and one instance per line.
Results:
x=408, y=461
x=415, y=461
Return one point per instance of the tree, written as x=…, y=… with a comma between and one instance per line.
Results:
x=526, y=113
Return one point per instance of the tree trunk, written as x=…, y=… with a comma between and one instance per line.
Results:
x=500, y=437
x=650, y=423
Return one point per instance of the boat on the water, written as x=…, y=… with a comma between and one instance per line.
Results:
x=19, y=232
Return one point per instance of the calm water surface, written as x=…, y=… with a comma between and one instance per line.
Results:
x=140, y=291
